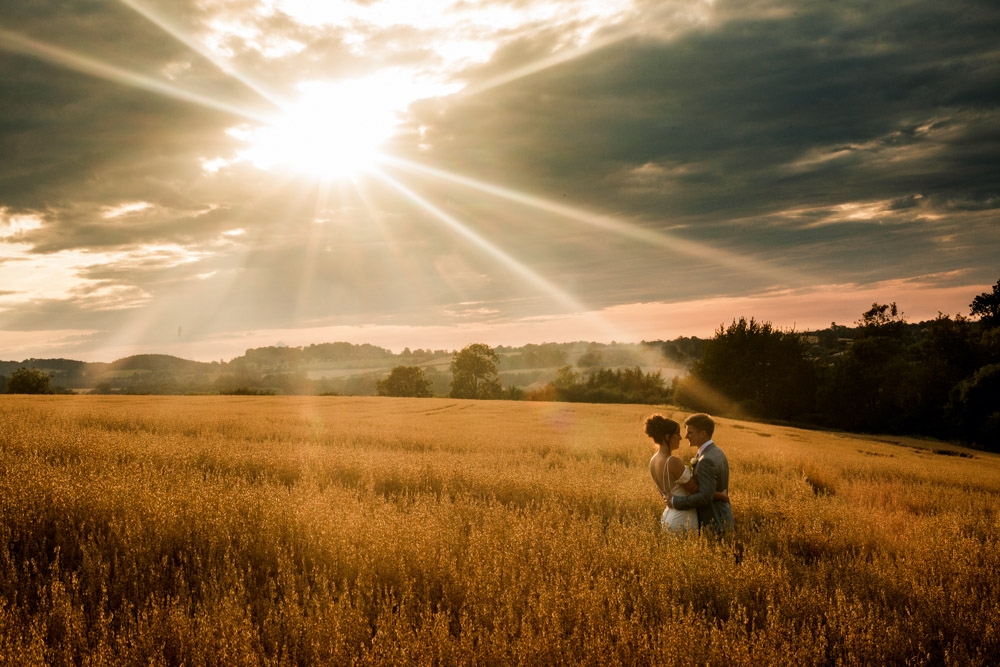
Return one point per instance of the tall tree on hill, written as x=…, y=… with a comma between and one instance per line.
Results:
x=882, y=319
x=986, y=306
x=475, y=372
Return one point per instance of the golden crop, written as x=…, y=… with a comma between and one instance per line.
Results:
x=334, y=531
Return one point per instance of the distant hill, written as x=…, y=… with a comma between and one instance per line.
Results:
x=72, y=374
x=67, y=373
x=49, y=365
x=163, y=363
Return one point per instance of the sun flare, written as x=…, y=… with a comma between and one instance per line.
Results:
x=332, y=130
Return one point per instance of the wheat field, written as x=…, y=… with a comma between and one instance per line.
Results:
x=339, y=531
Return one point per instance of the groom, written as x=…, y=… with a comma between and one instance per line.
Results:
x=711, y=471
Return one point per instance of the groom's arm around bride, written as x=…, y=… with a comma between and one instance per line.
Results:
x=711, y=470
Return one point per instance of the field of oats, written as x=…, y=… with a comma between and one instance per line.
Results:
x=335, y=531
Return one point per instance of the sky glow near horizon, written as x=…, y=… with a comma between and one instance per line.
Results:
x=200, y=177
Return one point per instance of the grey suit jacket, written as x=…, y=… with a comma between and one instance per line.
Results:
x=712, y=474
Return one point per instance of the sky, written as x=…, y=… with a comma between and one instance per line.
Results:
x=200, y=177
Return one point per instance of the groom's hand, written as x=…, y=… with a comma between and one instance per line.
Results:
x=670, y=502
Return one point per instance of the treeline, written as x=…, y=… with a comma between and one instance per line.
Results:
x=330, y=368
x=282, y=358
x=475, y=373
x=604, y=385
x=939, y=378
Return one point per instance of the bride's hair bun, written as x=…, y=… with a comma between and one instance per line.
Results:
x=660, y=428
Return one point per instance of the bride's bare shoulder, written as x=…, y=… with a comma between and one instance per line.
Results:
x=676, y=466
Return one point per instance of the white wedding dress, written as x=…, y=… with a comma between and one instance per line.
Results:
x=679, y=520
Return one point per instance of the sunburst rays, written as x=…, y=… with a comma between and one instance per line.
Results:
x=177, y=33
x=657, y=238
x=466, y=231
x=13, y=42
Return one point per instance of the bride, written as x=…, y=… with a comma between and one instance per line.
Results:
x=671, y=476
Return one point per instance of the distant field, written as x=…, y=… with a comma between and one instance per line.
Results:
x=299, y=531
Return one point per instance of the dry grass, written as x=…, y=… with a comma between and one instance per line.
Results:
x=300, y=531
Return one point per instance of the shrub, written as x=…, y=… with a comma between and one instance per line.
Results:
x=28, y=381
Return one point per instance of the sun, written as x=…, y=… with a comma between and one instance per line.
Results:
x=332, y=131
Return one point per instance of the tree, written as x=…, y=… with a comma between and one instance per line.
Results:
x=953, y=342
x=405, y=381
x=975, y=408
x=882, y=320
x=28, y=381
x=987, y=307
x=879, y=383
x=606, y=385
x=765, y=370
x=947, y=353
x=474, y=372
x=566, y=380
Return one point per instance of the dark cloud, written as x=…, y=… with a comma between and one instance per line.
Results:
x=745, y=99
x=730, y=126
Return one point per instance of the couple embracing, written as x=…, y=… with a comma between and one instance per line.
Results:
x=696, y=497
